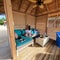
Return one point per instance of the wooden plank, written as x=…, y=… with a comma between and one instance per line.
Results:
x=46, y=24
x=31, y=21
x=35, y=21
x=20, y=3
x=22, y=12
x=28, y=7
x=25, y=19
x=10, y=24
x=56, y=4
x=50, y=12
x=47, y=8
x=39, y=12
x=35, y=16
x=41, y=24
x=31, y=10
x=1, y=4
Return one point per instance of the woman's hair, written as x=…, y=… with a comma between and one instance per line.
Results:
x=29, y=27
x=26, y=26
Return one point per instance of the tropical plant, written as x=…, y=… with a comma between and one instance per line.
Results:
x=2, y=21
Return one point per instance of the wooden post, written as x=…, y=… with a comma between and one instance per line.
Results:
x=10, y=24
x=25, y=19
x=36, y=16
x=35, y=21
x=46, y=23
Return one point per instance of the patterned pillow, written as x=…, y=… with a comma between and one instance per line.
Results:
x=16, y=36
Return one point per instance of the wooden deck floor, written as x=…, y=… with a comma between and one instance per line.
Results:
x=49, y=52
x=5, y=53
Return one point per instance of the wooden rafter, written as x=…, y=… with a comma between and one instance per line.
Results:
x=36, y=11
x=1, y=9
x=32, y=10
x=22, y=12
x=27, y=7
x=12, y=0
x=39, y=10
x=2, y=12
x=56, y=4
x=20, y=4
x=53, y=11
x=47, y=8
x=1, y=3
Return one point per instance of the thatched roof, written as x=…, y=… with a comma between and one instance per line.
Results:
x=25, y=6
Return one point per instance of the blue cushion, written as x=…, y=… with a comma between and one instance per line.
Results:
x=32, y=31
x=18, y=31
x=26, y=40
x=23, y=31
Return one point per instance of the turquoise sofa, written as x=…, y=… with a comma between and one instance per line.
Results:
x=20, y=33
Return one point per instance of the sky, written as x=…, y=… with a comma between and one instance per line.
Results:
x=2, y=16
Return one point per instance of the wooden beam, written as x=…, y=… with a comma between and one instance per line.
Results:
x=47, y=8
x=43, y=13
x=46, y=24
x=12, y=0
x=2, y=11
x=10, y=24
x=39, y=11
x=22, y=12
x=25, y=19
x=35, y=16
x=31, y=10
x=36, y=11
x=52, y=11
x=20, y=4
x=1, y=8
x=35, y=21
x=1, y=4
x=1, y=1
x=27, y=7
x=56, y=4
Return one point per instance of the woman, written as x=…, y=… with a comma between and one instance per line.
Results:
x=28, y=31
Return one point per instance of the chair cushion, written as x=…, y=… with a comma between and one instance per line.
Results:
x=32, y=31
x=26, y=40
x=23, y=31
x=18, y=32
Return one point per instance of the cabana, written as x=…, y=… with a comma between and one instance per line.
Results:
x=45, y=18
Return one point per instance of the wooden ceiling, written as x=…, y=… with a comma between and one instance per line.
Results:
x=26, y=7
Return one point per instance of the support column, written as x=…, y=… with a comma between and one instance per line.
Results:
x=36, y=16
x=35, y=21
x=46, y=24
x=25, y=19
x=10, y=24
